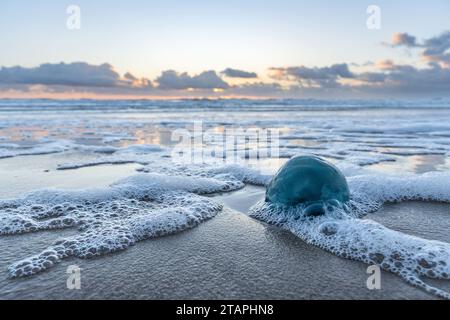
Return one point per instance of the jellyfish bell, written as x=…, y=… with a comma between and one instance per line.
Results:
x=310, y=181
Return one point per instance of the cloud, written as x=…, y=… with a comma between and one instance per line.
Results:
x=315, y=76
x=384, y=78
x=79, y=76
x=235, y=73
x=384, y=64
x=129, y=76
x=171, y=79
x=405, y=81
x=256, y=89
x=404, y=39
x=71, y=74
x=435, y=49
x=372, y=77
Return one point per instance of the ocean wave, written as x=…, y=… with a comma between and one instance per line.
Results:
x=240, y=104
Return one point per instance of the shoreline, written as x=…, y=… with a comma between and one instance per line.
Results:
x=231, y=256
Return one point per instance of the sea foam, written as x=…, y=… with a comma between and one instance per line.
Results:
x=139, y=154
x=343, y=232
x=15, y=150
x=111, y=219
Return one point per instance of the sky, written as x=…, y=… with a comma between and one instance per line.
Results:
x=254, y=49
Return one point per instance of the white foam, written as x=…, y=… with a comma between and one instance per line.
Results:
x=110, y=219
x=95, y=149
x=140, y=154
x=49, y=146
x=9, y=151
x=359, y=155
x=218, y=170
x=341, y=134
x=141, y=149
x=110, y=137
x=376, y=189
x=343, y=233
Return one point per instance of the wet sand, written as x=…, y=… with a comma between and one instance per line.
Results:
x=231, y=256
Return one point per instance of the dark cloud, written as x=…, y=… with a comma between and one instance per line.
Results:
x=129, y=76
x=235, y=73
x=387, y=79
x=436, y=49
x=171, y=79
x=409, y=78
x=73, y=74
x=406, y=81
x=256, y=89
x=314, y=77
x=372, y=77
x=77, y=74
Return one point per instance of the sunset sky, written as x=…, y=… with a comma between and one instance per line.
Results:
x=256, y=49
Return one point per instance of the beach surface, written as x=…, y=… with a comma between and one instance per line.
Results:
x=231, y=256
x=102, y=163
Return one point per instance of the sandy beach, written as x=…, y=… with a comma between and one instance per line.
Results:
x=201, y=150
x=231, y=256
x=225, y=256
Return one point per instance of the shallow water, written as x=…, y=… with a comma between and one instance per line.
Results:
x=89, y=153
x=228, y=257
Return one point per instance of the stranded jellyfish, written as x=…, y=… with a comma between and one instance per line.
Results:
x=309, y=181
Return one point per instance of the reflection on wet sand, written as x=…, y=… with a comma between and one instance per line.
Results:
x=416, y=164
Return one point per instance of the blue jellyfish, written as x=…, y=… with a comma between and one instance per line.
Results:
x=309, y=181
